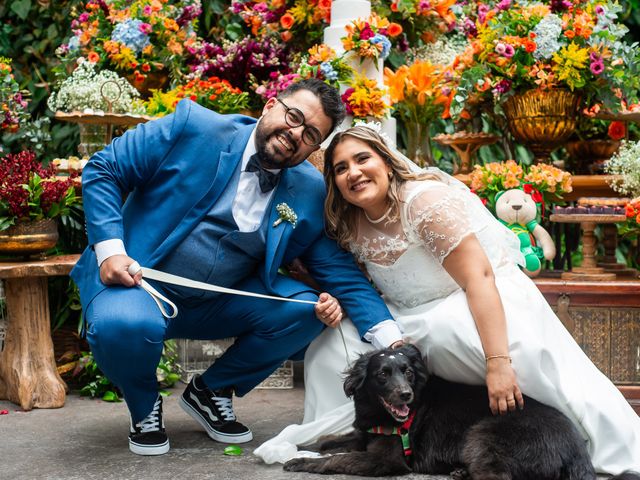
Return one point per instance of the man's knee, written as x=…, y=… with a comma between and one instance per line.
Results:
x=123, y=318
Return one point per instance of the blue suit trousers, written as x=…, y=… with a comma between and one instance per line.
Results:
x=126, y=330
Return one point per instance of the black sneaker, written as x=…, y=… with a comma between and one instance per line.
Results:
x=214, y=411
x=148, y=436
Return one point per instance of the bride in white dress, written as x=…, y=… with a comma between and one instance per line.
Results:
x=448, y=273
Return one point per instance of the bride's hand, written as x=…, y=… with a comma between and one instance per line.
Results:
x=328, y=310
x=504, y=393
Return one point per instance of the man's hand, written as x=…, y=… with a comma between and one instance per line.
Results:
x=328, y=310
x=114, y=271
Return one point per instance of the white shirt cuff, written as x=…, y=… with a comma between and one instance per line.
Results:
x=384, y=334
x=109, y=248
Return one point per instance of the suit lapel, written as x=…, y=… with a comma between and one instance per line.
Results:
x=277, y=236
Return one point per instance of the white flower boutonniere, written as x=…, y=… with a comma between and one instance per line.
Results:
x=287, y=214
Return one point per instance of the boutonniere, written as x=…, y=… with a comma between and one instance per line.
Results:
x=286, y=213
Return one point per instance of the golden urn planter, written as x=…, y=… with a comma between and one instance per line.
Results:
x=29, y=238
x=542, y=119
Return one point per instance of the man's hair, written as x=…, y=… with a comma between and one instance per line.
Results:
x=329, y=98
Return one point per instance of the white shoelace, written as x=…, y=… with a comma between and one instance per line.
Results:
x=151, y=423
x=225, y=406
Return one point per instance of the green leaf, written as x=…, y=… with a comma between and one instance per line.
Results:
x=21, y=8
x=110, y=396
x=233, y=450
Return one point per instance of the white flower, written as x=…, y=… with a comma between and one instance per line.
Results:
x=287, y=214
x=83, y=90
x=625, y=164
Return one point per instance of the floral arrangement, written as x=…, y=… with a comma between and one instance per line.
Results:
x=87, y=89
x=593, y=128
x=573, y=44
x=285, y=214
x=28, y=191
x=323, y=62
x=302, y=20
x=246, y=64
x=276, y=83
x=429, y=18
x=13, y=107
x=625, y=166
x=632, y=226
x=419, y=92
x=365, y=99
x=211, y=93
x=134, y=36
x=370, y=38
x=489, y=179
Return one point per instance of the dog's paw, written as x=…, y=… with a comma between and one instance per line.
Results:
x=460, y=474
x=296, y=465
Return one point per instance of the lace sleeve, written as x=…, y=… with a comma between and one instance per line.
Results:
x=438, y=218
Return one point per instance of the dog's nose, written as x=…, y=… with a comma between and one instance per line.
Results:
x=516, y=207
x=406, y=396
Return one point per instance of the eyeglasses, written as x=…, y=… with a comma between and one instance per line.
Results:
x=294, y=118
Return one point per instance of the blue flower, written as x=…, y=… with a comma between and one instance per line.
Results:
x=384, y=41
x=329, y=73
x=547, y=34
x=74, y=43
x=129, y=34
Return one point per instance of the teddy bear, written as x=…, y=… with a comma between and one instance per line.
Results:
x=518, y=211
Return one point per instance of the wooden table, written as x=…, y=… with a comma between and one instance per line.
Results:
x=589, y=270
x=28, y=375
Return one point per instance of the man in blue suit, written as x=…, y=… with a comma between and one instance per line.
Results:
x=201, y=195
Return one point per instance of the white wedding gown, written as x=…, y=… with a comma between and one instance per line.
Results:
x=404, y=259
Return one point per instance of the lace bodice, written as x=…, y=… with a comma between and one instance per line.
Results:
x=404, y=257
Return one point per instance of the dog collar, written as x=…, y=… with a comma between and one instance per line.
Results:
x=402, y=431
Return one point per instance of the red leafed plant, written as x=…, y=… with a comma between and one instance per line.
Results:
x=29, y=191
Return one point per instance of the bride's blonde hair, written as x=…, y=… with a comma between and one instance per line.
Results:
x=340, y=215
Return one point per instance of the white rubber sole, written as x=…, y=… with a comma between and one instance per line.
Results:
x=213, y=434
x=139, y=449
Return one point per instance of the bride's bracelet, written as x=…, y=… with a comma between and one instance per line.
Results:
x=491, y=357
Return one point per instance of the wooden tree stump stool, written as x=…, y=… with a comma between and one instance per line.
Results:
x=28, y=375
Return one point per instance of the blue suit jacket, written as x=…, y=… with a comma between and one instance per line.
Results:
x=172, y=170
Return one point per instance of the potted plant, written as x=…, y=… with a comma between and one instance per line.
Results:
x=31, y=198
x=144, y=40
x=594, y=142
x=539, y=63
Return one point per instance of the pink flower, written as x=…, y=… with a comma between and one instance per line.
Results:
x=600, y=10
x=482, y=12
x=84, y=16
x=597, y=67
x=145, y=28
x=500, y=48
x=509, y=51
x=366, y=33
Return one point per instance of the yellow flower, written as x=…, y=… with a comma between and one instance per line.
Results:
x=570, y=60
x=322, y=53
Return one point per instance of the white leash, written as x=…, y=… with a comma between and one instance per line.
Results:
x=149, y=273
x=135, y=267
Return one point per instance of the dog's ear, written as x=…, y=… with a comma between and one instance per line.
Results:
x=357, y=374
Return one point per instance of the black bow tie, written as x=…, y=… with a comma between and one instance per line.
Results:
x=268, y=180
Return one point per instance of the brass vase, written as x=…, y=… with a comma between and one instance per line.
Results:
x=29, y=238
x=542, y=119
x=589, y=156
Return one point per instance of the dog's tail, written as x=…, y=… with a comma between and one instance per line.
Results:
x=627, y=475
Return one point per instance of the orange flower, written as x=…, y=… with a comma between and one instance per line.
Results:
x=529, y=46
x=395, y=82
x=93, y=57
x=569, y=34
x=286, y=36
x=287, y=21
x=394, y=29
x=629, y=211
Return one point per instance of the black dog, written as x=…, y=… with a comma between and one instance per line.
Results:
x=409, y=422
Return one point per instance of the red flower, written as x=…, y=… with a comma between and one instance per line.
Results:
x=536, y=196
x=345, y=99
x=617, y=130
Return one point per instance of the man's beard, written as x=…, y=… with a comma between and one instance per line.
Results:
x=267, y=159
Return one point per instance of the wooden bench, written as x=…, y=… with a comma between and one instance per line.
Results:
x=28, y=375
